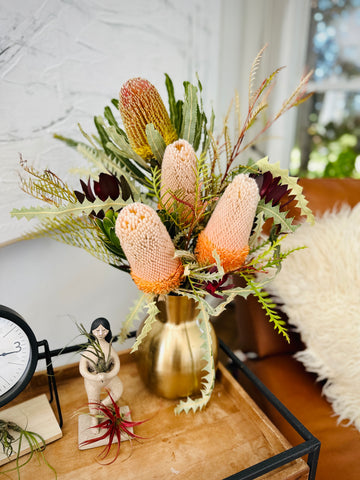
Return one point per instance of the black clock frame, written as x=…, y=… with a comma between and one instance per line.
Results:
x=9, y=314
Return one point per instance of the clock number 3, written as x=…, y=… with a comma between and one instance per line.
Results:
x=17, y=349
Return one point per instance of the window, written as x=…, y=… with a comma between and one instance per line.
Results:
x=328, y=128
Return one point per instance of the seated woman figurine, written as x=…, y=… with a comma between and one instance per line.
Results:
x=99, y=365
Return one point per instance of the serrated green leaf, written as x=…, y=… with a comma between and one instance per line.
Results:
x=270, y=211
x=150, y=319
x=156, y=142
x=208, y=380
x=132, y=317
x=274, y=168
x=75, y=209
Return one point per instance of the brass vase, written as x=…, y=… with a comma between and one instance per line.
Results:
x=169, y=358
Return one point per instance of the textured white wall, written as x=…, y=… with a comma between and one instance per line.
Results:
x=61, y=61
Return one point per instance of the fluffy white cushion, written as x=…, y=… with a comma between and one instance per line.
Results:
x=320, y=288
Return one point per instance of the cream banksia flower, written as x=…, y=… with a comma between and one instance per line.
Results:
x=139, y=105
x=230, y=224
x=178, y=178
x=148, y=249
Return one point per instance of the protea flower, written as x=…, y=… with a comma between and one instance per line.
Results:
x=178, y=179
x=230, y=224
x=148, y=249
x=141, y=104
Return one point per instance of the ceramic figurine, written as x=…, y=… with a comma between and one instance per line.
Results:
x=100, y=365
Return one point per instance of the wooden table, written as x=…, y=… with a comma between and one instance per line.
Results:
x=229, y=436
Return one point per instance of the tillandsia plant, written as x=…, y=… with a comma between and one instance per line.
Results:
x=173, y=205
x=103, y=360
x=10, y=433
x=112, y=424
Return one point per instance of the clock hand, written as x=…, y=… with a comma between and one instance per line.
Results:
x=8, y=353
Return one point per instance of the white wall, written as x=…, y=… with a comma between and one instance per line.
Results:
x=60, y=63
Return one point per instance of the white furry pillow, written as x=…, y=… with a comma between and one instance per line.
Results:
x=320, y=288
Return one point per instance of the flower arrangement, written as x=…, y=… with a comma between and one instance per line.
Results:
x=170, y=203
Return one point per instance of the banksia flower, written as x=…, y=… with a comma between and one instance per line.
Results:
x=230, y=224
x=178, y=178
x=148, y=249
x=141, y=104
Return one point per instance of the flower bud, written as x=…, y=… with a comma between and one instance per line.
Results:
x=229, y=226
x=148, y=249
x=139, y=105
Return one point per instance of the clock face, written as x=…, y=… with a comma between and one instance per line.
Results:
x=15, y=354
x=18, y=354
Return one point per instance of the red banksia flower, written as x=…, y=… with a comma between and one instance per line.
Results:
x=178, y=178
x=148, y=249
x=139, y=105
x=230, y=224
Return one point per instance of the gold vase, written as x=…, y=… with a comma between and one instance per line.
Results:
x=169, y=358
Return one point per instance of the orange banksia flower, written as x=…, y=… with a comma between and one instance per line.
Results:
x=230, y=224
x=178, y=178
x=141, y=104
x=148, y=249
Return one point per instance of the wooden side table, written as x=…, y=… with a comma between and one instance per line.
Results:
x=229, y=439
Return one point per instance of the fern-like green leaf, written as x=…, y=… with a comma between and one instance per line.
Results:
x=76, y=209
x=269, y=306
x=79, y=232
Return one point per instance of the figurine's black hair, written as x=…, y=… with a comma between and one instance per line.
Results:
x=104, y=323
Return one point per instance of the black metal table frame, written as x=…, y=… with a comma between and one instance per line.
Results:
x=310, y=446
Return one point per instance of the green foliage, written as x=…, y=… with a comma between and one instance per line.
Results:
x=150, y=319
x=156, y=142
x=103, y=361
x=295, y=189
x=88, y=221
x=269, y=306
x=10, y=432
x=132, y=317
x=267, y=210
x=208, y=379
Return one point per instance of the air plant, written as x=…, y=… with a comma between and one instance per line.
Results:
x=10, y=432
x=113, y=423
x=103, y=361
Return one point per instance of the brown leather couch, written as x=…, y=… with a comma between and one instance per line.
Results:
x=298, y=389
